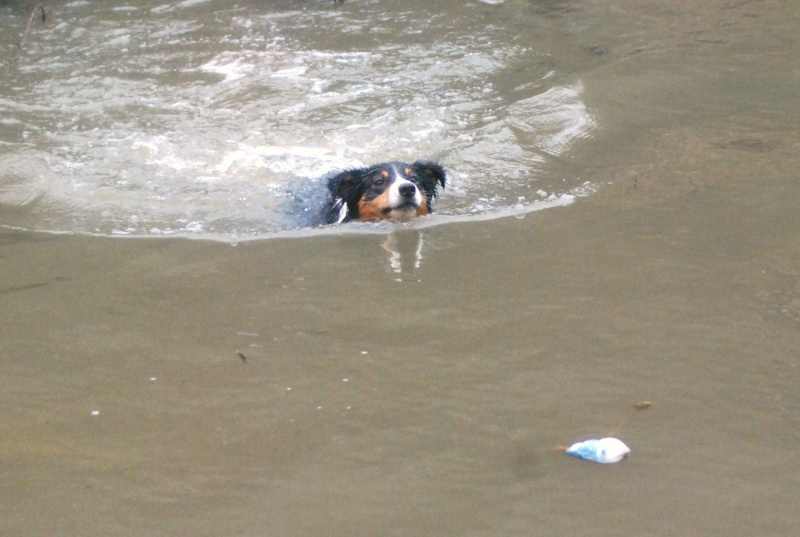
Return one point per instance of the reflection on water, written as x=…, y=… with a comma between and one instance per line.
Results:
x=405, y=250
x=192, y=118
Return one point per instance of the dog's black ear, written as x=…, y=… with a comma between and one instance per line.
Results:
x=343, y=184
x=346, y=188
x=430, y=175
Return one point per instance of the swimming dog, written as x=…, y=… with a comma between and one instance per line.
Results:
x=389, y=190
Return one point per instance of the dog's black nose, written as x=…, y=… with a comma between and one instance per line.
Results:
x=407, y=190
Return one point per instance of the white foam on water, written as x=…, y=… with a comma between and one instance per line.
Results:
x=190, y=142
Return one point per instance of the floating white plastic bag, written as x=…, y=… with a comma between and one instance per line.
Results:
x=605, y=450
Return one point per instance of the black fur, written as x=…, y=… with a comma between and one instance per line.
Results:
x=349, y=187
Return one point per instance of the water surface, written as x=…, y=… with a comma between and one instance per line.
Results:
x=413, y=380
x=200, y=118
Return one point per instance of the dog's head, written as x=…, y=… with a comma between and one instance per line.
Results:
x=390, y=190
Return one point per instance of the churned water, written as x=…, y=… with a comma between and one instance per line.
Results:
x=201, y=118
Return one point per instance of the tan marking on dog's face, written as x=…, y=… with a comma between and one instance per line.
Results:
x=374, y=209
x=423, y=207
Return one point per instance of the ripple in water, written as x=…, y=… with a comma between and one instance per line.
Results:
x=189, y=119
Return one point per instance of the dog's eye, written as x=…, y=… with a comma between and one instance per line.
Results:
x=379, y=181
x=414, y=179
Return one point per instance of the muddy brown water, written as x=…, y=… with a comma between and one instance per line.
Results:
x=416, y=383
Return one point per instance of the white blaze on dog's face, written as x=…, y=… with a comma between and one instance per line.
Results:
x=404, y=198
x=392, y=192
x=389, y=190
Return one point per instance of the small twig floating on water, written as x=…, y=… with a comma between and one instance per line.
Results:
x=37, y=7
x=642, y=405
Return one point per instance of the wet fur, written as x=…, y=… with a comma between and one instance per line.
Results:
x=383, y=191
